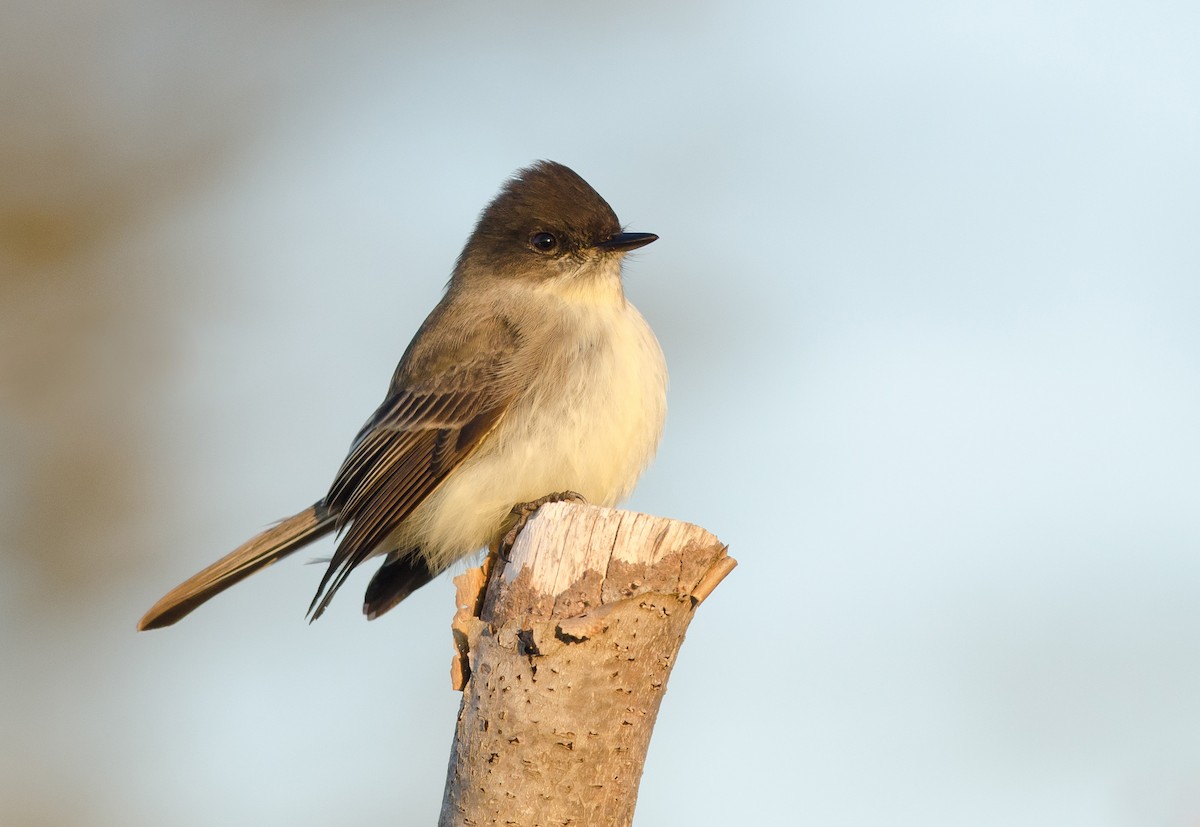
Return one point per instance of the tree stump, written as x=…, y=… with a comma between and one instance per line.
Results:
x=563, y=661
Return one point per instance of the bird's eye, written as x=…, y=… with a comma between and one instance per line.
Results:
x=543, y=242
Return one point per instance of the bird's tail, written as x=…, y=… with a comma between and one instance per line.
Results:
x=273, y=544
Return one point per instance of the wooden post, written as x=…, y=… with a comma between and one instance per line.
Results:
x=565, y=659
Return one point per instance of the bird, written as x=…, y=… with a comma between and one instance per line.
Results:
x=534, y=378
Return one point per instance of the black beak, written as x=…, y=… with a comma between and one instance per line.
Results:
x=624, y=242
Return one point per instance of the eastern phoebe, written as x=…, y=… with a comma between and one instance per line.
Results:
x=533, y=375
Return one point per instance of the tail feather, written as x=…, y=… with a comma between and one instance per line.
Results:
x=258, y=552
x=399, y=576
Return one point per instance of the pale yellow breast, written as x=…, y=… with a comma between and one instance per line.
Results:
x=589, y=423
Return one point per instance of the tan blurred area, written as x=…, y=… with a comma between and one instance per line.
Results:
x=115, y=117
x=107, y=128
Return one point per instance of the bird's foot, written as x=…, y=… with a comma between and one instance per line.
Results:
x=523, y=511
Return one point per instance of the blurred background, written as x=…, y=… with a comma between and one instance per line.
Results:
x=928, y=285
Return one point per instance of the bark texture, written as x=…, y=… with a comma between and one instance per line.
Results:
x=566, y=664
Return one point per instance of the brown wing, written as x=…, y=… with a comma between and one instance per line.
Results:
x=421, y=433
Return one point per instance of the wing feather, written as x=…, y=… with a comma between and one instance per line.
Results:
x=435, y=416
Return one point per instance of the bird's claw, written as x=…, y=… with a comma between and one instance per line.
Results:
x=523, y=511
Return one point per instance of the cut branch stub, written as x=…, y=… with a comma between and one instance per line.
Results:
x=578, y=634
